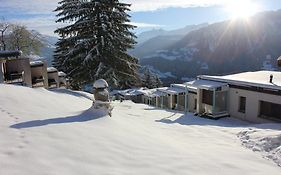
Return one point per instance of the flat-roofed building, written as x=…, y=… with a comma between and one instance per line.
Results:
x=252, y=96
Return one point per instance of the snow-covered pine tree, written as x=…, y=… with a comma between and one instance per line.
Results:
x=158, y=82
x=148, y=79
x=94, y=45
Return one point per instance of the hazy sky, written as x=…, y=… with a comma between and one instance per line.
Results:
x=146, y=14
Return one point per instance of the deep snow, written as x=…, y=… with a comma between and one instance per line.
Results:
x=55, y=132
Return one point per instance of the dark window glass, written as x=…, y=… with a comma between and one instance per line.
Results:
x=242, y=104
x=270, y=110
x=195, y=104
x=207, y=97
x=176, y=99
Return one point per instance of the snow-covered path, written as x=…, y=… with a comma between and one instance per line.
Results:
x=55, y=132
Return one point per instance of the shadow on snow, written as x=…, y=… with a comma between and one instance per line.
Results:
x=83, y=117
x=73, y=93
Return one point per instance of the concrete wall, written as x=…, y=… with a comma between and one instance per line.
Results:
x=252, y=104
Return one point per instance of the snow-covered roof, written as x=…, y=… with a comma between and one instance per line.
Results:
x=205, y=84
x=36, y=63
x=172, y=90
x=51, y=69
x=7, y=54
x=133, y=92
x=257, y=79
x=62, y=74
x=183, y=86
x=154, y=92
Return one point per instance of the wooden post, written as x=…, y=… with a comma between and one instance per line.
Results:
x=214, y=101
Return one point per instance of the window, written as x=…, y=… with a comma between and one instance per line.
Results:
x=242, y=104
x=207, y=97
x=195, y=104
x=270, y=110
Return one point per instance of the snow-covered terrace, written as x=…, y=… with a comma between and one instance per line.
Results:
x=257, y=79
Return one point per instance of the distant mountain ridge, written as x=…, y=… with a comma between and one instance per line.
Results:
x=47, y=51
x=222, y=48
x=153, y=40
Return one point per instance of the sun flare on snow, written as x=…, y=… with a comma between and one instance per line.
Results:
x=242, y=8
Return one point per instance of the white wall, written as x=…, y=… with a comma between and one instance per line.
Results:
x=252, y=104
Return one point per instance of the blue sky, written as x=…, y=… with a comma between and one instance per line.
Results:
x=146, y=14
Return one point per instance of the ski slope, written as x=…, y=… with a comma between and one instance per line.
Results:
x=56, y=133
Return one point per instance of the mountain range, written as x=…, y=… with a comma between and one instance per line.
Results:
x=220, y=48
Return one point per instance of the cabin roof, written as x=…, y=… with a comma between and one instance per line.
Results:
x=172, y=90
x=36, y=63
x=62, y=74
x=9, y=54
x=51, y=69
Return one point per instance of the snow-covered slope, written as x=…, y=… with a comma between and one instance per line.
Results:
x=55, y=132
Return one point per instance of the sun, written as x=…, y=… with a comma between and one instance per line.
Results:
x=242, y=8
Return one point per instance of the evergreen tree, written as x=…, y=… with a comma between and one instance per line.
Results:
x=147, y=78
x=150, y=80
x=94, y=45
x=158, y=82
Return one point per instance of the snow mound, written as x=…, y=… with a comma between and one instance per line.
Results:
x=265, y=141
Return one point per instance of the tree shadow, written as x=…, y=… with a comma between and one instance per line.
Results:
x=73, y=93
x=83, y=117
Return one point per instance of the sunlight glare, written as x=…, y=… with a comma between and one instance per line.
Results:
x=242, y=8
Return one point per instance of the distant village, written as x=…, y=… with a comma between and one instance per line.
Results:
x=250, y=96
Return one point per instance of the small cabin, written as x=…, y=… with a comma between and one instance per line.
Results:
x=53, y=77
x=173, y=98
x=62, y=79
x=210, y=99
x=14, y=69
x=153, y=97
x=135, y=94
x=39, y=75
